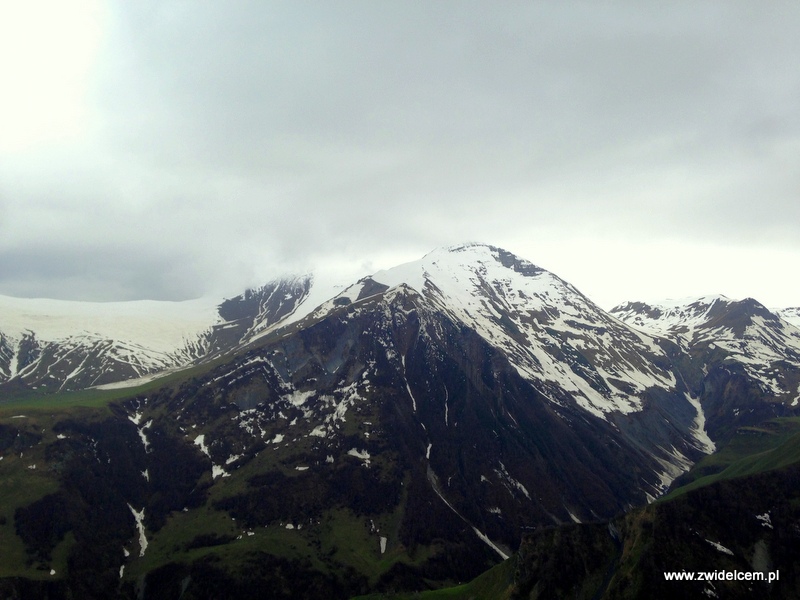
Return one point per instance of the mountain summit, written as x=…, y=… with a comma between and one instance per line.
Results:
x=551, y=332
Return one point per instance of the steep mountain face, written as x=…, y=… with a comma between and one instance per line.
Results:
x=416, y=384
x=257, y=312
x=748, y=357
x=57, y=345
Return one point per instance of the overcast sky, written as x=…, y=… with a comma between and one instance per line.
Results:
x=172, y=149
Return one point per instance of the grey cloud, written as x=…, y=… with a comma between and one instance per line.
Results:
x=281, y=132
x=98, y=273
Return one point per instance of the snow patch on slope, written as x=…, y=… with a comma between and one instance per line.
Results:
x=139, y=517
x=360, y=454
x=706, y=444
x=200, y=441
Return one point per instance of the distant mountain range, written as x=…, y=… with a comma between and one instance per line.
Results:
x=395, y=434
x=60, y=345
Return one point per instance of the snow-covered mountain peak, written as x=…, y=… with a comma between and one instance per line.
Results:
x=745, y=330
x=690, y=318
x=545, y=326
x=261, y=309
x=465, y=270
x=675, y=316
x=567, y=347
x=59, y=344
x=467, y=275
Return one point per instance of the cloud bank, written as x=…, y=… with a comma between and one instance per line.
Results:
x=637, y=150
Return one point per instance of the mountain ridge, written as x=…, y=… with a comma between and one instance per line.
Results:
x=545, y=324
x=743, y=331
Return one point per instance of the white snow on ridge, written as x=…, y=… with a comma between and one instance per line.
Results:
x=324, y=286
x=150, y=338
x=761, y=345
x=673, y=315
x=515, y=311
x=146, y=338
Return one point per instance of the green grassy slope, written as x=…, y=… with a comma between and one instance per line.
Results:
x=773, y=445
x=496, y=583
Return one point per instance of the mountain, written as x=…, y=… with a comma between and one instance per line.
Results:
x=749, y=357
x=398, y=434
x=68, y=345
x=60, y=345
x=549, y=331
